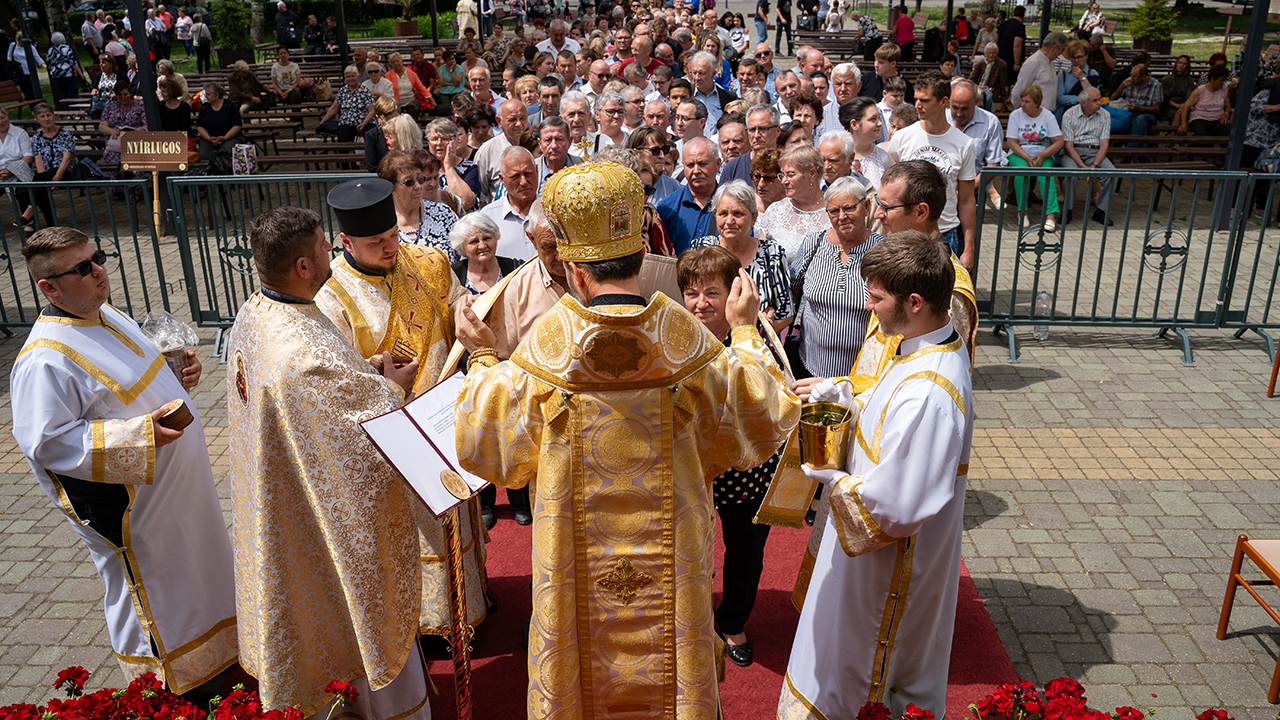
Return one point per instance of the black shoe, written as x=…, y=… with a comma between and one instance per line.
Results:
x=492, y=605
x=433, y=645
x=486, y=514
x=1066, y=217
x=810, y=516
x=523, y=517
x=739, y=655
x=1101, y=217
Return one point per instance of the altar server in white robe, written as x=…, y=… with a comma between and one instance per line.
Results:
x=85, y=391
x=880, y=609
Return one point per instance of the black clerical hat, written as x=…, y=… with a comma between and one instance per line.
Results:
x=364, y=207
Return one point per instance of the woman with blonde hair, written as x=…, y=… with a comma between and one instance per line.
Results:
x=543, y=65
x=403, y=133
x=525, y=89
x=709, y=41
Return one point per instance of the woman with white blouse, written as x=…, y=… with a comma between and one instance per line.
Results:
x=802, y=213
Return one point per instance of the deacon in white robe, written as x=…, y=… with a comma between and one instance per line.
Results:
x=142, y=498
x=880, y=608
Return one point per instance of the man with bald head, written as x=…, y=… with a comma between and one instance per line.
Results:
x=519, y=176
x=513, y=118
x=558, y=39
x=983, y=128
x=687, y=214
x=479, y=81
x=598, y=75
x=763, y=56
x=1086, y=128
x=642, y=55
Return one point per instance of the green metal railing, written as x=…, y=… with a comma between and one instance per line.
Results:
x=1159, y=266
x=115, y=214
x=1256, y=270
x=212, y=218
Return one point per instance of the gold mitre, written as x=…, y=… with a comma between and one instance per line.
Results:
x=595, y=210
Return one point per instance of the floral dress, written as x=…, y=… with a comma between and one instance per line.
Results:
x=353, y=105
x=433, y=230
x=51, y=149
x=61, y=61
x=115, y=117
x=768, y=270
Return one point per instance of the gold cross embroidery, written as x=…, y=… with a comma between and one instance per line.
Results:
x=624, y=581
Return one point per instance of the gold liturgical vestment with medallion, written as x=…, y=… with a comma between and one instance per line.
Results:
x=323, y=528
x=623, y=415
x=409, y=314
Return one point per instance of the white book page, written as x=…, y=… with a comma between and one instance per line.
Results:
x=419, y=442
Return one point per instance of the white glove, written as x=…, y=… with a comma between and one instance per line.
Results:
x=825, y=477
x=828, y=390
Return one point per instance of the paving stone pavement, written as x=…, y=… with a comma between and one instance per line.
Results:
x=1107, y=487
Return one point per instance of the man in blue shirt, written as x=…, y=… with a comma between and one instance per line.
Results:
x=687, y=214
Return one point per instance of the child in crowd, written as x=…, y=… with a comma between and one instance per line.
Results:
x=903, y=116
x=895, y=93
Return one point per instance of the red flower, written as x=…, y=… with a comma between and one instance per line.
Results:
x=874, y=711
x=346, y=692
x=1127, y=713
x=21, y=711
x=1212, y=714
x=73, y=678
x=1064, y=688
x=914, y=712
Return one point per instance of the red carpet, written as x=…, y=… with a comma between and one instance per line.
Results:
x=499, y=677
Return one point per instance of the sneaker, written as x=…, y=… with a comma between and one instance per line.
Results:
x=1050, y=224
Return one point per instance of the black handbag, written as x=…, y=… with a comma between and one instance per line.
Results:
x=807, y=22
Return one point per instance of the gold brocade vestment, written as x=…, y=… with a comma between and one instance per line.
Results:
x=623, y=415
x=326, y=553
x=408, y=313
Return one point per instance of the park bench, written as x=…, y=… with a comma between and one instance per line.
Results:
x=11, y=97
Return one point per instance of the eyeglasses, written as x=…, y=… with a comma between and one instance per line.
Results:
x=683, y=118
x=760, y=129
x=616, y=112
x=375, y=72
x=649, y=190
x=602, y=76
x=764, y=177
x=655, y=149
x=848, y=211
x=887, y=208
x=412, y=182
x=788, y=176
x=83, y=269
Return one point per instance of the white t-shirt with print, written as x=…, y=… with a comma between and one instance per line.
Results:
x=952, y=153
x=1034, y=134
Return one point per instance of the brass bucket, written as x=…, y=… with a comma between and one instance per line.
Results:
x=824, y=447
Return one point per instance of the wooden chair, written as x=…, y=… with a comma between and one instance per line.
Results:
x=1265, y=554
x=1275, y=370
x=1109, y=29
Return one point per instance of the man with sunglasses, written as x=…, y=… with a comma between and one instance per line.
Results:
x=598, y=75
x=88, y=393
x=764, y=66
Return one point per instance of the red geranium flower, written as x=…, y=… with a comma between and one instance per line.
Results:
x=1212, y=714
x=21, y=711
x=1064, y=688
x=874, y=711
x=73, y=679
x=914, y=712
x=1127, y=713
x=346, y=692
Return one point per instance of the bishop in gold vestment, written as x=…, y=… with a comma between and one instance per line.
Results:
x=327, y=580
x=407, y=311
x=623, y=411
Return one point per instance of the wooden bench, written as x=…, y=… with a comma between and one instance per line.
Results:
x=313, y=160
x=11, y=97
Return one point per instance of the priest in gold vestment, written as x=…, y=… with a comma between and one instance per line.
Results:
x=386, y=296
x=621, y=410
x=327, y=579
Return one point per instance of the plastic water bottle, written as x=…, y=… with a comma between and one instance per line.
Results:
x=1044, y=306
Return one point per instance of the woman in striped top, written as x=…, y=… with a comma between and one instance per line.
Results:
x=833, y=316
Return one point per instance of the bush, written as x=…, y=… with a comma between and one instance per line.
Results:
x=444, y=23
x=232, y=20
x=1153, y=20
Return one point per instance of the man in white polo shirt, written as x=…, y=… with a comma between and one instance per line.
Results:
x=951, y=151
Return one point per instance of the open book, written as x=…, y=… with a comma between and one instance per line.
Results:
x=418, y=440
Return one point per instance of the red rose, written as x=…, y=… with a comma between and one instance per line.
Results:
x=914, y=712
x=874, y=711
x=346, y=692
x=1127, y=713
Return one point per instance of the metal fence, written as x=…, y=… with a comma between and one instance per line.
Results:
x=1256, y=270
x=1160, y=265
x=115, y=214
x=212, y=218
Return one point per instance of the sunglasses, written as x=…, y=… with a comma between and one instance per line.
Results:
x=649, y=190
x=414, y=182
x=99, y=258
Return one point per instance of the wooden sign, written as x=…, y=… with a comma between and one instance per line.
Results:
x=141, y=150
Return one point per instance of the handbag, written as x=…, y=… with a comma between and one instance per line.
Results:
x=795, y=335
x=244, y=159
x=807, y=22
x=322, y=89
x=1269, y=160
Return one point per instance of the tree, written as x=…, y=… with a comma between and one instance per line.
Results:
x=256, y=23
x=56, y=13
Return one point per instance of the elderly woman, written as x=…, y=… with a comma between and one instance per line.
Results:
x=1076, y=79
x=102, y=86
x=351, y=111
x=475, y=242
x=525, y=89
x=734, y=209
x=1033, y=138
x=17, y=54
x=408, y=91
x=1207, y=110
x=124, y=112
x=218, y=124
x=63, y=68
x=869, y=159
x=164, y=70
x=421, y=222
x=764, y=178
x=826, y=272
x=610, y=109
x=985, y=36
x=375, y=139
x=54, y=151
x=801, y=214
x=246, y=90
x=403, y=133
x=458, y=174
x=15, y=149
x=377, y=84
x=705, y=276
x=806, y=109
x=991, y=74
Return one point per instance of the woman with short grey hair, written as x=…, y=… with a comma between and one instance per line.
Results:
x=165, y=69
x=610, y=110
x=733, y=208
x=63, y=68
x=827, y=274
x=475, y=238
